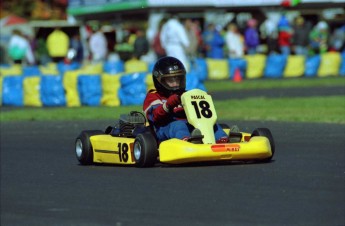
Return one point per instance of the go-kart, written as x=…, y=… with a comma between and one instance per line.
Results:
x=132, y=140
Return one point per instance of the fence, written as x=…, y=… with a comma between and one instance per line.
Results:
x=126, y=83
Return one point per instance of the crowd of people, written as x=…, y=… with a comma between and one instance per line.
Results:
x=185, y=39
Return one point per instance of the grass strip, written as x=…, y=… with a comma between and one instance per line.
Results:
x=222, y=85
x=330, y=109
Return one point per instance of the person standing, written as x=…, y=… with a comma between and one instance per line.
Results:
x=156, y=44
x=141, y=44
x=319, y=38
x=57, y=45
x=77, y=47
x=251, y=36
x=300, y=37
x=98, y=46
x=193, y=39
x=234, y=41
x=284, y=35
x=269, y=33
x=214, y=42
x=19, y=48
x=174, y=40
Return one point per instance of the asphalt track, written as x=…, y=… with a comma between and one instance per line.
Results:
x=42, y=183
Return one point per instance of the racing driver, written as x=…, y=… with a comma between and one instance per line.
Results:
x=162, y=105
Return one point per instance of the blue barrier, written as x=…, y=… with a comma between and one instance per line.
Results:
x=237, y=63
x=133, y=78
x=199, y=66
x=133, y=89
x=342, y=65
x=113, y=67
x=133, y=85
x=31, y=71
x=312, y=66
x=127, y=99
x=12, y=91
x=52, y=91
x=193, y=82
x=275, y=64
x=90, y=89
x=62, y=67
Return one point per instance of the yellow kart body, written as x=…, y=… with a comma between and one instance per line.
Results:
x=257, y=148
x=143, y=150
x=201, y=114
x=112, y=150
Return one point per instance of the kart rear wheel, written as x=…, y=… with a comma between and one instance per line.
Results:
x=264, y=132
x=145, y=150
x=83, y=147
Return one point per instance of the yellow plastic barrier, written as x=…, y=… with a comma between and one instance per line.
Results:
x=70, y=82
x=218, y=69
x=330, y=64
x=31, y=86
x=255, y=65
x=149, y=82
x=110, y=86
x=134, y=65
x=49, y=69
x=294, y=66
x=15, y=69
x=89, y=69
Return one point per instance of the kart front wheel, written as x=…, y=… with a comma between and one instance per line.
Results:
x=145, y=150
x=83, y=147
x=264, y=132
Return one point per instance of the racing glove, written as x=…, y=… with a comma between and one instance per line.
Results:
x=172, y=102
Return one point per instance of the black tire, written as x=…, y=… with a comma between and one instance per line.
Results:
x=83, y=147
x=145, y=150
x=264, y=132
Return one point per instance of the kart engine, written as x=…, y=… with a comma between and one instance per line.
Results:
x=129, y=125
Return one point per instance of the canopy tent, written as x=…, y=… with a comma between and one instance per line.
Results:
x=12, y=20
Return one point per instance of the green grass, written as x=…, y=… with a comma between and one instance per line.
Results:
x=66, y=113
x=330, y=109
x=309, y=109
x=221, y=85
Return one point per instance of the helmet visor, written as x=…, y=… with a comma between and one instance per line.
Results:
x=173, y=82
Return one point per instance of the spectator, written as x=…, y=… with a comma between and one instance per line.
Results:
x=251, y=37
x=156, y=44
x=141, y=45
x=213, y=42
x=284, y=35
x=3, y=57
x=175, y=40
x=234, y=41
x=269, y=33
x=98, y=45
x=193, y=39
x=319, y=38
x=57, y=45
x=77, y=47
x=300, y=36
x=19, y=49
x=337, y=39
x=41, y=51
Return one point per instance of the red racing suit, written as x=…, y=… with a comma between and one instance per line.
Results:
x=155, y=112
x=170, y=124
